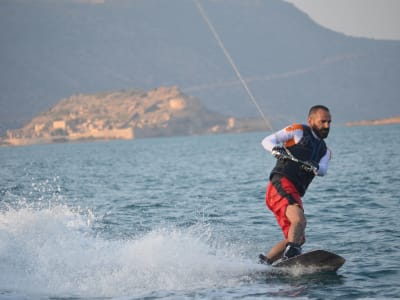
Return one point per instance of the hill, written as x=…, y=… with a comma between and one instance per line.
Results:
x=52, y=49
x=164, y=111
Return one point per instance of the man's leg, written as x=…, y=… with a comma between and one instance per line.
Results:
x=297, y=224
x=295, y=235
x=296, y=231
x=290, y=216
x=277, y=251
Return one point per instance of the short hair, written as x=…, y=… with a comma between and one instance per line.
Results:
x=314, y=109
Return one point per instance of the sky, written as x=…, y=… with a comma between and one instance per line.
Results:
x=378, y=19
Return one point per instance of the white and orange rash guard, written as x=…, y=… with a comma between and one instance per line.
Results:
x=289, y=136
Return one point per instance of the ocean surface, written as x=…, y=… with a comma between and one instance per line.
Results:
x=185, y=218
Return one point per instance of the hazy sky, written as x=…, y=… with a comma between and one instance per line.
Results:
x=379, y=19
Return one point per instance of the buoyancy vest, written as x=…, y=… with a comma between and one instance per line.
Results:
x=309, y=148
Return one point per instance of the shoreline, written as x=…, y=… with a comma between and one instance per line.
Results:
x=386, y=121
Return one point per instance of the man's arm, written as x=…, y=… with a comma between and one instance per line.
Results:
x=323, y=163
x=287, y=136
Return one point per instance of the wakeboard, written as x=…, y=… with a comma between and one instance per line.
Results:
x=318, y=260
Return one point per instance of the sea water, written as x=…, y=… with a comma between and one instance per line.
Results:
x=185, y=217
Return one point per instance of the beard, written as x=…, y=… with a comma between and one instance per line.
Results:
x=321, y=133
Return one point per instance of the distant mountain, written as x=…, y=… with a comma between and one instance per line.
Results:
x=164, y=111
x=52, y=49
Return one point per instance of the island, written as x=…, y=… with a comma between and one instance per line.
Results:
x=127, y=114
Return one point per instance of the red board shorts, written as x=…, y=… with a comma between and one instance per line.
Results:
x=280, y=194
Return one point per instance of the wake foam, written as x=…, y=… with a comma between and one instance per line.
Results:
x=55, y=251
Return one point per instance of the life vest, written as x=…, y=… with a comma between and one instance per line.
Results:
x=309, y=148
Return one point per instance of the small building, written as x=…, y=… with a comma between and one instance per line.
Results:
x=59, y=125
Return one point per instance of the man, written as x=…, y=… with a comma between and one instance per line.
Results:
x=289, y=179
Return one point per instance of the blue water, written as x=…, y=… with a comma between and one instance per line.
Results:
x=184, y=218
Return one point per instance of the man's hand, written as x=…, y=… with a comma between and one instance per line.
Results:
x=311, y=167
x=279, y=153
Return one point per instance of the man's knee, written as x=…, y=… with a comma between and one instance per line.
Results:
x=295, y=215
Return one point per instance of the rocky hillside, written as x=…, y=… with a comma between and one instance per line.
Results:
x=164, y=111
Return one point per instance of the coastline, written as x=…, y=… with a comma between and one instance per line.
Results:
x=393, y=120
